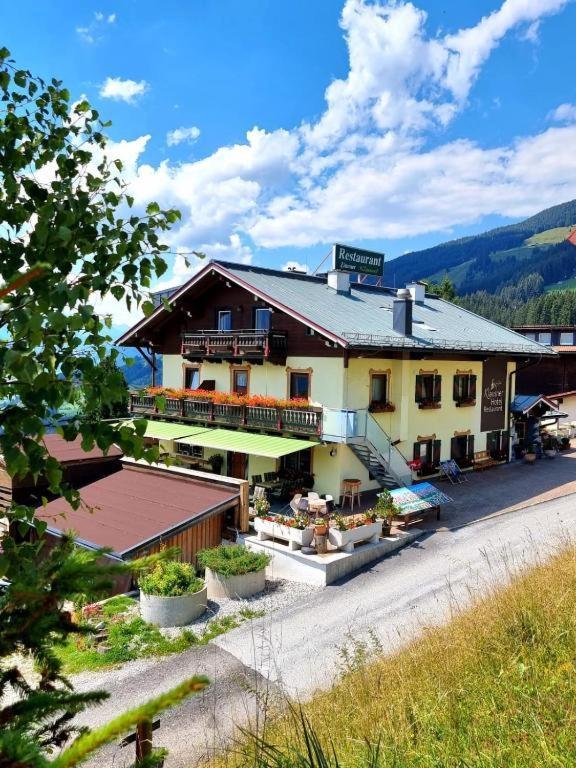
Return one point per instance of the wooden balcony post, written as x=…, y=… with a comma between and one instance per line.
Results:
x=279, y=419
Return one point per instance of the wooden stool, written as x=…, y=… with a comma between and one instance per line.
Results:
x=351, y=492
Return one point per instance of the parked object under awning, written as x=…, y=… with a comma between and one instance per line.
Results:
x=246, y=442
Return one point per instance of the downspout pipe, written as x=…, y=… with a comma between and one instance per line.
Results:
x=527, y=364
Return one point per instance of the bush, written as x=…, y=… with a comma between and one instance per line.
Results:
x=233, y=561
x=169, y=578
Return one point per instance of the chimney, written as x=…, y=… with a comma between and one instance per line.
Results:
x=417, y=291
x=339, y=281
x=402, y=312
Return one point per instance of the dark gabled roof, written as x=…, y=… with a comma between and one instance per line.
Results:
x=363, y=317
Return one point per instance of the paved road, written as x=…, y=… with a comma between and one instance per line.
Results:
x=394, y=598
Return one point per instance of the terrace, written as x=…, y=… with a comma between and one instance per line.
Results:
x=274, y=418
x=248, y=344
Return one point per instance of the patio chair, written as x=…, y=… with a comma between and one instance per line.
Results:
x=259, y=493
x=294, y=503
x=313, y=495
x=269, y=477
x=330, y=505
x=452, y=472
x=256, y=480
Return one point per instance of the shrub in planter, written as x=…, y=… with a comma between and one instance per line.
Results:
x=171, y=595
x=234, y=571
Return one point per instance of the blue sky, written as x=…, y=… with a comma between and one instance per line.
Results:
x=279, y=128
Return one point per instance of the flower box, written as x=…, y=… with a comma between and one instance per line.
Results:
x=345, y=540
x=296, y=537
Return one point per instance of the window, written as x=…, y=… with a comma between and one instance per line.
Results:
x=191, y=377
x=545, y=338
x=183, y=449
x=262, y=318
x=465, y=389
x=296, y=464
x=462, y=450
x=299, y=385
x=428, y=390
x=379, y=383
x=531, y=336
x=225, y=320
x=240, y=381
x=428, y=453
x=566, y=338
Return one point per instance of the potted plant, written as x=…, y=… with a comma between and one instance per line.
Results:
x=171, y=594
x=296, y=530
x=261, y=507
x=564, y=443
x=216, y=461
x=320, y=526
x=385, y=510
x=550, y=446
x=234, y=571
x=529, y=454
x=349, y=531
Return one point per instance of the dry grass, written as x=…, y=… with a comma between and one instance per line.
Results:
x=496, y=687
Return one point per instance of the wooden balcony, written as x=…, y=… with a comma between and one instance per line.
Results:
x=243, y=344
x=300, y=421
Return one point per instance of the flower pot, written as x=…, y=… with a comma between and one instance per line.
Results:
x=173, y=611
x=297, y=537
x=235, y=587
x=386, y=529
x=320, y=530
x=345, y=540
x=550, y=453
x=529, y=458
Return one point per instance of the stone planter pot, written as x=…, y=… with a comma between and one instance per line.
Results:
x=345, y=540
x=550, y=454
x=235, y=587
x=296, y=538
x=173, y=611
x=529, y=458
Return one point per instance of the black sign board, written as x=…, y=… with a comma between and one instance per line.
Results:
x=349, y=259
x=493, y=414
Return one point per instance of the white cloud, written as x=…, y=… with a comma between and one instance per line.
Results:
x=364, y=169
x=94, y=31
x=179, y=135
x=294, y=266
x=565, y=113
x=123, y=90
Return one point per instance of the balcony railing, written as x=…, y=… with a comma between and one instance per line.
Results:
x=303, y=421
x=242, y=343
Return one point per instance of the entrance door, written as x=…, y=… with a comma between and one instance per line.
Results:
x=237, y=465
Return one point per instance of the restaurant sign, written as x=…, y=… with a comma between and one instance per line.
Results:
x=348, y=259
x=493, y=415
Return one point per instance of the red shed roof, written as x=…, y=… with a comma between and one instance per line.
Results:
x=68, y=451
x=134, y=506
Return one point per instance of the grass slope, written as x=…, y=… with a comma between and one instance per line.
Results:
x=554, y=235
x=494, y=688
x=563, y=285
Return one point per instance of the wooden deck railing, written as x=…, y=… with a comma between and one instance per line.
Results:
x=304, y=421
x=234, y=343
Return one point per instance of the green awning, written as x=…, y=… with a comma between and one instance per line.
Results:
x=247, y=442
x=164, y=430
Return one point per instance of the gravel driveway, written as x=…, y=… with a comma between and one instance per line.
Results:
x=393, y=599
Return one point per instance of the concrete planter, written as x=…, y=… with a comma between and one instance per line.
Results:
x=345, y=540
x=235, y=587
x=529, y=458
x=173, y=611
x=550, y=453
x=296, y=538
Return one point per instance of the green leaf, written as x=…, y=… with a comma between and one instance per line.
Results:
x=147, y=307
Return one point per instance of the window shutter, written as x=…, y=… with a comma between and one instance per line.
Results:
x=419, y=388
x=416, y=452
x=473, y=387
x=436, y=454
x=505, y=443
x=470, y=447
x=437, y=389
x=454, y=448
x=456, y=389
